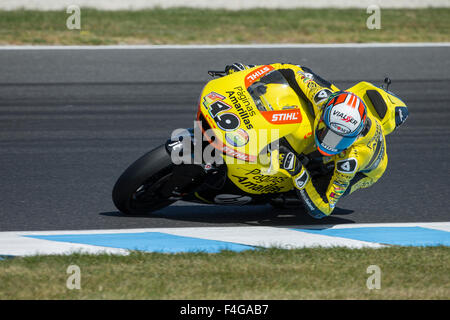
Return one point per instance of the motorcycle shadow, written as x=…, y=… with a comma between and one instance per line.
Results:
x=264, y=215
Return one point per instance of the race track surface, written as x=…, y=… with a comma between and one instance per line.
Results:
x=72, y=120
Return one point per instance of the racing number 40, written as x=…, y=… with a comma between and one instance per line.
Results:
x=225, y=120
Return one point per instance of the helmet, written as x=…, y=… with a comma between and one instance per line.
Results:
x=342, y=120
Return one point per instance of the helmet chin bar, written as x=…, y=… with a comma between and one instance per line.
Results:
x=341, y=123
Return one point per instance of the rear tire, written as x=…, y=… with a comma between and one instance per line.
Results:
x=136, y=192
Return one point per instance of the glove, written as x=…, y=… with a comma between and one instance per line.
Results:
x=290, y=162
x=236, y=67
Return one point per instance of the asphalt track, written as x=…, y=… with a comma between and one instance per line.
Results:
x=72, y=120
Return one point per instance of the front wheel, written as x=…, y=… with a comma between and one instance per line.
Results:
x=137, y=191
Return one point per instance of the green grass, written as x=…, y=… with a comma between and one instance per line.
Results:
x=190, y=26
x=337, y=273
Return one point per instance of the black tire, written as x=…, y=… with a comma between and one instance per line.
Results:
x=136, y=190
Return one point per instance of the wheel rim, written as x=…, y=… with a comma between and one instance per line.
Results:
x=148, y=193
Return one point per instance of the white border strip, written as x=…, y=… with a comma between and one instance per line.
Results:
x=232, y=46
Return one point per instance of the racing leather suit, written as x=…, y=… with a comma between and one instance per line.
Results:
x=359, y=166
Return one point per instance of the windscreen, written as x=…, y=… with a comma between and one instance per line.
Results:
x=272, y=92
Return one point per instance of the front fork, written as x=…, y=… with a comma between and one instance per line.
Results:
x=190, y=174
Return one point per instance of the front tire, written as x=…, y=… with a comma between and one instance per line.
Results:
x=136, y=192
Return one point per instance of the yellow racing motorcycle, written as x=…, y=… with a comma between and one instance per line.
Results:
x=231, y=155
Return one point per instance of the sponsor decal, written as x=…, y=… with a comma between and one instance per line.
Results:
x=306, y=136
x=256, y=74
x=247, y=183
x=343, y=154
x=307, y=201
x=328, y=147
x=229, y=151
x=339, y=188
x=340, y=127
x=333, y=199
x=258, y=177
x=256, y=181
x=245, y=111
x=333, y=195
x=213, y=102
x=236, y=154
x=379, y=158
x=401, y=114
x=305, y=76
x=312, y=209
x=322, y=95
x=377, y=138
x=302, y=180
x=238, y=138
x=311, y=85
x=344, y=117
x=283, y=116
x=210, y=98
x=342, y=178
x=362, y=184
x=326, y=159
x=245, y=101
x=347, y=166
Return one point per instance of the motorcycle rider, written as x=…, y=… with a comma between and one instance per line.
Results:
x=345, y=137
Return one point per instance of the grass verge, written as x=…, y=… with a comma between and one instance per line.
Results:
x=318, y=273
x=191, y=26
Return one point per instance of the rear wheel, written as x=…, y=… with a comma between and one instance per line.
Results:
x=137, y=191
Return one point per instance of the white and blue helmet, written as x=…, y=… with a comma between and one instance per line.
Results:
x=342, y=120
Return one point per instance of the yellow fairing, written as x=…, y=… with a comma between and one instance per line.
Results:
x=246, y=114
x=388, y=121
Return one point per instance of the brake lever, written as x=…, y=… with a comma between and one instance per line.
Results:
x=217, y=73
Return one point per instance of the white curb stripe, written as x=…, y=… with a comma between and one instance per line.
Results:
x=271, y=237
x=17, y=244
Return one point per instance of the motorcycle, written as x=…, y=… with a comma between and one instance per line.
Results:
x=231, y=155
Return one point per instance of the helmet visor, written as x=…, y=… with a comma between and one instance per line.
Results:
x=329, y=142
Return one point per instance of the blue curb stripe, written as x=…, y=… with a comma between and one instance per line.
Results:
x=148, y=241
x=402, y=236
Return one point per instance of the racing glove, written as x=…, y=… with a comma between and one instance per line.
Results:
x=292, y=164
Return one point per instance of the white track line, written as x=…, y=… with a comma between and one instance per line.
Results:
x=233, y=5
x=231, y=46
